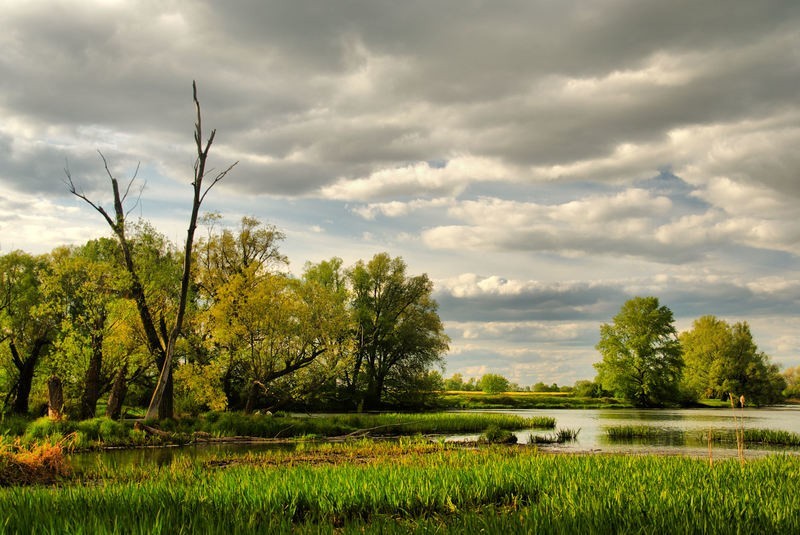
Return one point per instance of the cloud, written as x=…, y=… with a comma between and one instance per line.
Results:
x=577, y=153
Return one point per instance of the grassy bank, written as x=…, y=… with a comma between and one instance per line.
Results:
x=419, y=487
x=102, y=432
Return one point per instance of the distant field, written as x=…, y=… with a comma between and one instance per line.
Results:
x=524, y=400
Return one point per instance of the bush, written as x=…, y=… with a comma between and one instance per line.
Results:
x=495, y=435
x=44, y=427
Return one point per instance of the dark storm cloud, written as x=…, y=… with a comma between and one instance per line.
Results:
x=427, y=78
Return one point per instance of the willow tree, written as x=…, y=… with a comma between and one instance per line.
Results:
x=397, y=330
x=160, y=341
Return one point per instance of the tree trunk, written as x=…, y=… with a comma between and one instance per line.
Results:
x=55, y=398
x=166, y=407
x=91, y=386
x=25, y=381
x=252, y=398
x=372, y=397
x=117, y=395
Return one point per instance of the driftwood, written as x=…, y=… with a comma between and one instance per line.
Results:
x=152, y=430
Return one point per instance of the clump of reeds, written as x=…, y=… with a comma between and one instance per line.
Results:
x=629, y=432
x=561, y=436
x=41, y=463
x=495, y=435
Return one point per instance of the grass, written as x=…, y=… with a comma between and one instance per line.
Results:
x=415, y=487
x=725, y=436
x=22, y=464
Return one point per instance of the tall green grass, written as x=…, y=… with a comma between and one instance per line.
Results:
x=725, y=436
x=232, y=424
x=422, y=488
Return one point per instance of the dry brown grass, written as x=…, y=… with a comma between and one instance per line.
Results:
x=43, y=463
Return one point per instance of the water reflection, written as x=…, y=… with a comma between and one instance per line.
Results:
x=167, y=455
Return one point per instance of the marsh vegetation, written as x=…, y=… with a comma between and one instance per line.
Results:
x=415, y=486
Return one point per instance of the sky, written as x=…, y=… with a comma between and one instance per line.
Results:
x=542, y=161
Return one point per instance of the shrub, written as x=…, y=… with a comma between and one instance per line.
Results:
x=44, y=427
x=495, y=435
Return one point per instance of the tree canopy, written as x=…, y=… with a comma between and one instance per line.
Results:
x=722, y=359
x=641, y=354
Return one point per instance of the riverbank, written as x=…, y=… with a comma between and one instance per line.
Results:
x=99, y=433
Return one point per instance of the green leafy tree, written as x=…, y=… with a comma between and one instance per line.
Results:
x=83, y=288
x=271, y=326
x=221, y=255
x=225, y=259
x=27, y=326
x=641, y=354
x=398, y=333
x=587, y=389
x=454, y=383
x=492, y=383
x=792, y=378
x=721, y=359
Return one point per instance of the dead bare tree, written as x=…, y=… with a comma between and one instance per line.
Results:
x=162, y=351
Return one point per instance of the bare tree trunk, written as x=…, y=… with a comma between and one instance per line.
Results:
x=55, y=395
x=164, y=379
x=117, y=395
x=160, y=405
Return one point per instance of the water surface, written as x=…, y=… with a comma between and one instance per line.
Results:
x=694, y=424
x=592, y=437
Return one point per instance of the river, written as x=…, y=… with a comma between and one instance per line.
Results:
x=694, y=423
x=592, y=437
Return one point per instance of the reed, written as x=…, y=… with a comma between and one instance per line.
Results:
x=738, y=425
x=632, y=432
x=22, y=464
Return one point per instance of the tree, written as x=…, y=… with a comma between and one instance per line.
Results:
x=587, y=389
x=641, y=354
x=225, y=254
x=455, y=383
x=492, y=383
x=397, y=331
x=82, y=287
x=272, y=326
x=792, y=378
x=27, y=328
x=722, y=359
x=161, y=346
